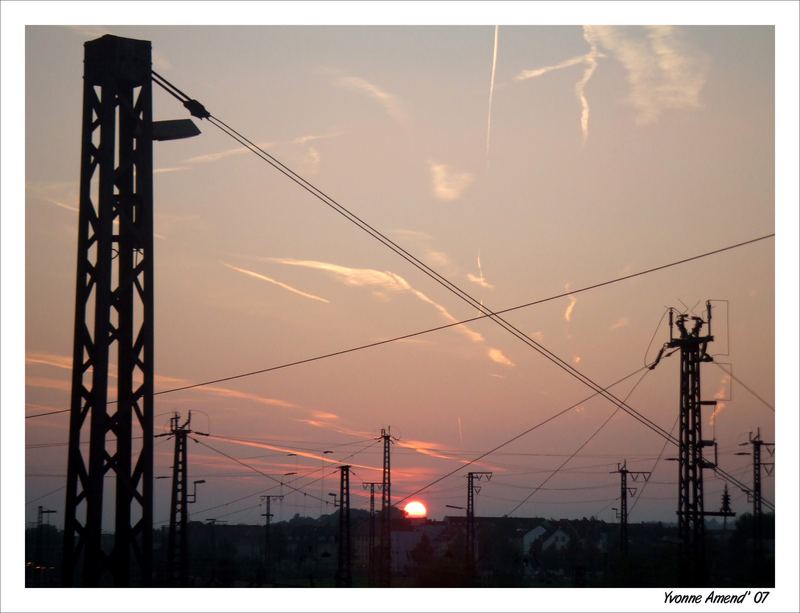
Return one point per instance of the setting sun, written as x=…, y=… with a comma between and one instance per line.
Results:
x=415, y=509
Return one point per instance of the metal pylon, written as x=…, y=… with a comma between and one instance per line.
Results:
x=113, y=322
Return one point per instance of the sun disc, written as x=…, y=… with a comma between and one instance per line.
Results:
x=415, y=509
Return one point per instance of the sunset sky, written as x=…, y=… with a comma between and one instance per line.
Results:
x=594, y=152
x=520, y=162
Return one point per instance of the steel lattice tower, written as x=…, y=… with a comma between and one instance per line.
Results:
x=39, y=557
x=726, y=508
x=178, y=538
x=178, y=542
x=624, y=490
x=344, y=577
x=693, y=344
x=269, y=579
x=113, y=320
x=386, y=512
x=371, y=572
x=472, y=489
x=758, y=519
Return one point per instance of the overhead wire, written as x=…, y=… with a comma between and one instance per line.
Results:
x=430, y=272
x=745, y=386
x=580, y=447
x=653, y=469
x=198, y=110
x=436, y=277
x=462, y=322
x=240, y=498
x=516, y=437
x=254, y=469
x=653, y=337
x=38, y=498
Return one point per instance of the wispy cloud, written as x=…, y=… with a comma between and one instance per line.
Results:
x=169, y=169
x=310, y=161
x=719, y=396
x=390, y=103
x=437, y=258
x=226, y=392
x=326, y=424
x=311, y=157
x=303, y=454
x=662, y=71
x=448, y=184
x=62, y=205
x=421, y=242
x=50, y=383
x=377, y=279
x=74, y=209
x=49, y=359
x=226, y=153
x=480, y=281
x=161, y=62
x=310, y=138
x=436, y=450
x=411, y=235
x=280, y=284
x=570, y=308
x=620, y=323
x=162, y=382
x=499, y=357
x=385, y=283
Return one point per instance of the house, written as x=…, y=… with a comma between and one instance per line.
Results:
x=531, y=536
x=556, y=538
x=546, y=536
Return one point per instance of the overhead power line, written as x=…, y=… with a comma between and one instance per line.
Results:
x=462, y=322
x=198, y=110
x=742, y=383
x=428, y=271
x=653, y=469
x=290, y=481
x=516, y=438
x=254, y=469
x=579, y=448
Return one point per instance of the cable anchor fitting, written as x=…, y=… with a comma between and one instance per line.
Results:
x=196, y=109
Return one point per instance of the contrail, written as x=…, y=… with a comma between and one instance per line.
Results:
x=289, y=288
x=589, y=60
x=538, y=72
x=491, y=93
x=580, y=86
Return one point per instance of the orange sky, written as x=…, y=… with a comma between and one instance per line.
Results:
x=611, y=150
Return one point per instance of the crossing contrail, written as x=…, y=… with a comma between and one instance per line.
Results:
x=491, y=93
x=580, y=86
